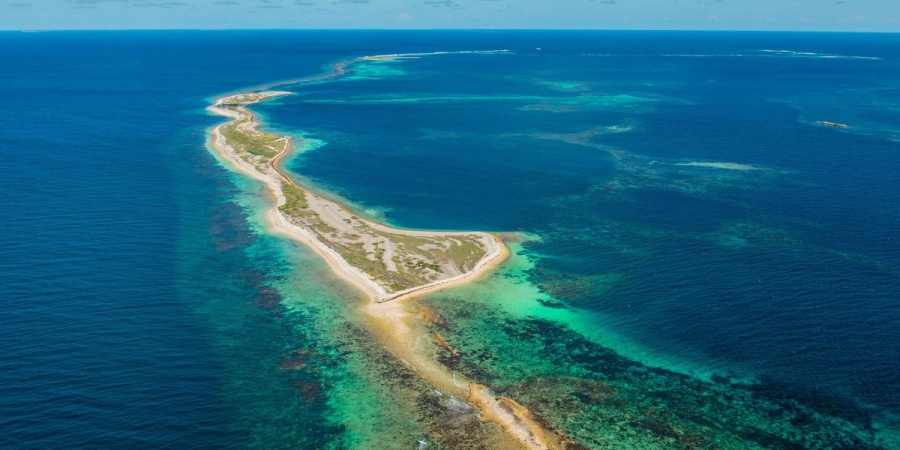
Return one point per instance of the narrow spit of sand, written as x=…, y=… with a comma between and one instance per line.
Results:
x=720, y=165
x=392, y=316
x=339, y=217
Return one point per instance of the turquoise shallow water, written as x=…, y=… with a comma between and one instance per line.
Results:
x=143, y=304
x=653, y=304
x=695, y=217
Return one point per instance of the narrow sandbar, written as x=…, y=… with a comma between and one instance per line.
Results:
x=720, y=165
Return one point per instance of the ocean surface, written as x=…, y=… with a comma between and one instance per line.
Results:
x=697, y=261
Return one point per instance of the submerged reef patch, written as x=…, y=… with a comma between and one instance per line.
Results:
x=603, y=400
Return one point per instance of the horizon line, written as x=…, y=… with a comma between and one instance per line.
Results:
x=689, y=30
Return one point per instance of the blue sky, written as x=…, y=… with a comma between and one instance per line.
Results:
x=808, y=15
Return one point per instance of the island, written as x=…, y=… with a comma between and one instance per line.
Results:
x=390, y=265
x=386, y=262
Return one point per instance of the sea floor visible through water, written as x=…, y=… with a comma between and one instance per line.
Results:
x=696, y=261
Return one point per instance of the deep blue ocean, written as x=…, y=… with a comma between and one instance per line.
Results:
x=686, y=210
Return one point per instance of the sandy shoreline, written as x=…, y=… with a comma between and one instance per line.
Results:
x=399, y=327
x=280, y=223
x=392, y=316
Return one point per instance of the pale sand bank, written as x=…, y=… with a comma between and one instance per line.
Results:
x=720, y=165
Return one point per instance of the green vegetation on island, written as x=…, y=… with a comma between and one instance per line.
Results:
x=397, y=261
